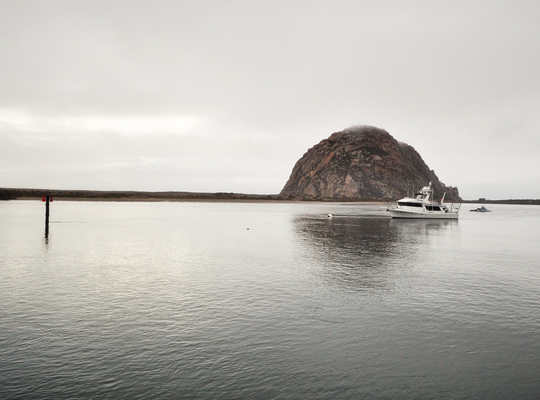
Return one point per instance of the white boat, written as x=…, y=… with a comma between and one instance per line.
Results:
x=422, y=205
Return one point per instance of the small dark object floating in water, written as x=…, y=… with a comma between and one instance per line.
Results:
x=481, y=209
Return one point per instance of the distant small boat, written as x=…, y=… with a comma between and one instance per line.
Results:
x=423, y=206
x=481, y=209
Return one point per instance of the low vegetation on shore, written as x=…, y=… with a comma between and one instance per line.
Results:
x=98, y=195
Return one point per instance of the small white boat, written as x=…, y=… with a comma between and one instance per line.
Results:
x=481, y=209
x=422, y=205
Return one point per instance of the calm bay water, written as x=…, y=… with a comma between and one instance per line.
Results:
x=267, y=300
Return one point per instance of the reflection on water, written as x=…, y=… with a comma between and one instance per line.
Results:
x=339, y=238
x=361, y=253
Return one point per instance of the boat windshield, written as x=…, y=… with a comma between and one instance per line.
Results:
x=409, y=204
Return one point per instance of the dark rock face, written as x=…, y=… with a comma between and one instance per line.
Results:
x=362, y=163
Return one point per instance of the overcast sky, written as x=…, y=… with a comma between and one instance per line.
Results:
x=215, y=96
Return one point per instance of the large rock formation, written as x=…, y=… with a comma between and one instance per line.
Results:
x=361, y=163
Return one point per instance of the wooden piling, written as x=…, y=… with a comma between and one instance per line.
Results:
x=47, y=200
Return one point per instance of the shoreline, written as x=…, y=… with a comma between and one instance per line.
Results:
x=208, y=201
x=196, y=200
x=139, y=196
x=134, y=196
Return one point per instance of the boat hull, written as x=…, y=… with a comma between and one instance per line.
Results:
x=396, y=213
